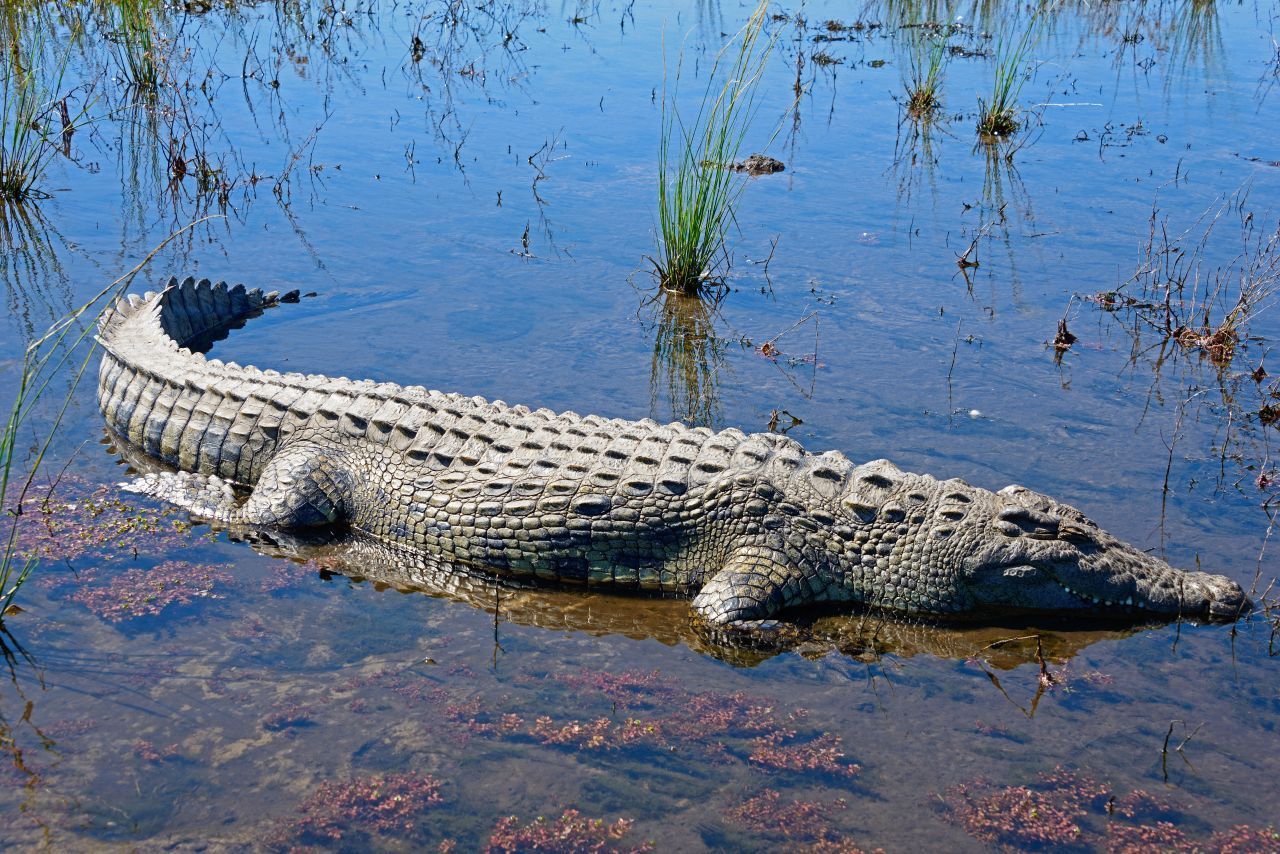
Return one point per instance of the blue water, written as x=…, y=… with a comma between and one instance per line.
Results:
x=478, y=221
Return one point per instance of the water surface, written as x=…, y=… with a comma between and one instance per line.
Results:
x=469, y=189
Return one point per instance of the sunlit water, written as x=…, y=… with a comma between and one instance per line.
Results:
x=473, y=211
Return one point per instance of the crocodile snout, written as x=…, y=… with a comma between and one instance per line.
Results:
x=1216, y=596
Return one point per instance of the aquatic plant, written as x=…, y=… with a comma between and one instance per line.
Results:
x=823, y=755
x=697, y=192
x=146, y=592
x=571, y=832
x=793, y=820
x=287, y=716
x=1243, y=839
x=927, y=62
x=73, y=518
x=998, y=118
x=380, y=804
x=601, y=734
x=44, y=360
x=1179, y=295
x=1064, y=810
x=1047, y=815
x=137, y=44
x=148, y=752
x=35, y=119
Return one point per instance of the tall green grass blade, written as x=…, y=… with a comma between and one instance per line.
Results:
x=697, y=192
x=998, y=118
x=46, y=359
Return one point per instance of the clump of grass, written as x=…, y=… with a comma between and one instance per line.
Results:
x=998, y=118
x=34, y=118
x=697, y=192
x=927, y=66
x=138, y=46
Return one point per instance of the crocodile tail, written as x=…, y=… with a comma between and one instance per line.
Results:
x=192, y=314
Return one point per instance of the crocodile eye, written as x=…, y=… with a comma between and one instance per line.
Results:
x=1030, y=522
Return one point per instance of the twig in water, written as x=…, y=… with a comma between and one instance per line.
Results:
x=962, y=261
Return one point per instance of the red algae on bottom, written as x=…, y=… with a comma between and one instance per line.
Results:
x=1065, y=810
x=386, y=805
x=802, y=826
x=145, y=592
x=571, y=833
x=823, y=755
x=75, y=518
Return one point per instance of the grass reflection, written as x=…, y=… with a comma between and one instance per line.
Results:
x=688, y=358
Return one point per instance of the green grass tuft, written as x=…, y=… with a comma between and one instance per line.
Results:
x=927, y=66
x=999, y=117
x=34, y=117
x=697, y=192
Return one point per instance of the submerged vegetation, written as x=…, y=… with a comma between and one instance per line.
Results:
x=51, y=370
x=697, y=189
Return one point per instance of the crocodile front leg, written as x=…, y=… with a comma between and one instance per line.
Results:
x=303, y=486
x=756, y=583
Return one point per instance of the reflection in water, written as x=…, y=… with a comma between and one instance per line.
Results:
x=1002, y=184
x=19, y=734
x=34, y=279
x=867, y=636
x=914, y=160
x=1195, y=39
x=688, y=358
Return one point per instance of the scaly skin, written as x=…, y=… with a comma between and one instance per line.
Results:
x=749, y=525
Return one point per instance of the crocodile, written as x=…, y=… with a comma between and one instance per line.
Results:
x=746, y=525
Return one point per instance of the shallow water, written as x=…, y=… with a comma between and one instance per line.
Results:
x=477, y=221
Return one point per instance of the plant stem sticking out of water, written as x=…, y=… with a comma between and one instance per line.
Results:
x=45, y=360
x=927, y=65
x=34, y=120
x=998, y=118
x=138, y=45
x=697, y=192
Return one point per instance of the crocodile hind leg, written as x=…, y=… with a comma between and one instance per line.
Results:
x=300, y=488
x=756, y=583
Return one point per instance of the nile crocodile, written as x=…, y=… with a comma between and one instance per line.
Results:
x=749, y=525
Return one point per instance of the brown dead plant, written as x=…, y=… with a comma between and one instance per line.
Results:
x=1178, y=291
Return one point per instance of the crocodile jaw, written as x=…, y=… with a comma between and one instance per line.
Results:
x=1107, y=584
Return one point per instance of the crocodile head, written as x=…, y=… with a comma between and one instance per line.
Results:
x=1040, y=554
x=946, y=547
